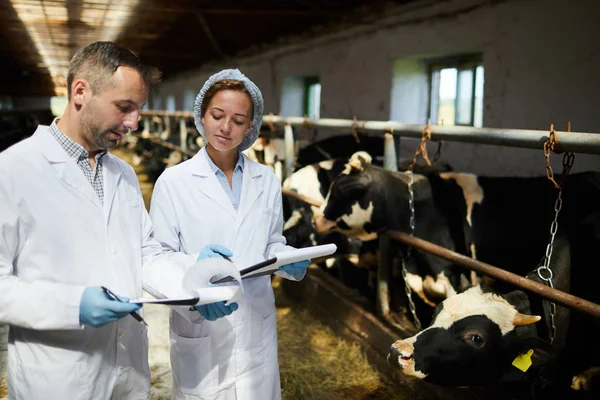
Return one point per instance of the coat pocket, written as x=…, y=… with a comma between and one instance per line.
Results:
x=70, y=381
x=191, y=364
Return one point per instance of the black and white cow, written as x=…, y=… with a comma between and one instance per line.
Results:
x=478, y=337
x=313, y=182
x=354, y=260
x=501, y=221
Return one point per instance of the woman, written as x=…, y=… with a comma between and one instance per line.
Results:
x=220, y=196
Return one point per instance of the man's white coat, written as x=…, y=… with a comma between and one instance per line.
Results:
x=56, y=238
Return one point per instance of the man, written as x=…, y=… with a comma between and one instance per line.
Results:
x=72, y=220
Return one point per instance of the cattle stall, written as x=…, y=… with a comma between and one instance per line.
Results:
x=403, y=324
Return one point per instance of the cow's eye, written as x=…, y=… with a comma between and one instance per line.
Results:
x=474, y=338
x=477, y=339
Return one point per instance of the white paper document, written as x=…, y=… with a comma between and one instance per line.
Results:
x=197, y=288
x=282, y=258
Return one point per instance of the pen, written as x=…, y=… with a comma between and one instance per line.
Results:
x=113, y=296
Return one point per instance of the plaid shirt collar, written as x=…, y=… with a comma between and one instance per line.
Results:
x=74, y=150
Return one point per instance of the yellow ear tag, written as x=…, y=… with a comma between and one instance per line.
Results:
x=523, y=361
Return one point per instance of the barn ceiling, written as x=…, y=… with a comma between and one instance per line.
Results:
x=39, y=37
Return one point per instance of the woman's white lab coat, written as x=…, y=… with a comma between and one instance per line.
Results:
x=234, y=357
x=56, y=238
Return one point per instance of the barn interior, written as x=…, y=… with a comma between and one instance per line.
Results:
x=485, y=67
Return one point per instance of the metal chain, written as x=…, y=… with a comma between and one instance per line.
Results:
x=411, y=205
x=544, y=271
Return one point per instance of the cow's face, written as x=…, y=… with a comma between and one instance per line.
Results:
x=297, y=230
x=471, y=341
x=347, y=208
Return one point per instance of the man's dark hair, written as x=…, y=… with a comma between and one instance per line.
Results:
x=98, y=61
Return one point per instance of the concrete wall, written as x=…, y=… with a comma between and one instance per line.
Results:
x=541, y=60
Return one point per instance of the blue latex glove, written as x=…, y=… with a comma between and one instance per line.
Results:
x=214, y=311
x=214, y=250
x=96, y=309
x=295, y=268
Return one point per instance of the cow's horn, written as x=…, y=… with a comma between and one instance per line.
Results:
x=356, y=164
x=524, y=319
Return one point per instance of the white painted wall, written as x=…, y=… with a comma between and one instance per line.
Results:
x=292, y=97
x=541, y=60
x=410, y=88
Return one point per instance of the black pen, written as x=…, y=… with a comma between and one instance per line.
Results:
x=113, y=296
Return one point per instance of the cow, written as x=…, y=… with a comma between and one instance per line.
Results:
x=354, y=262
x=269, y=152
x=313, y=182
x=484, y=338
x=488, y=218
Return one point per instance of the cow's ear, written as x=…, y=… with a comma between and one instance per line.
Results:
x=519, y=300
x=464, y=283
x=354, y=186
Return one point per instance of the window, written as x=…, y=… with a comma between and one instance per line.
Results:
x=300, y=96
x=58, y=104
x=189, y=98
x=171, y=103
x=312, y=97
x=456, y=92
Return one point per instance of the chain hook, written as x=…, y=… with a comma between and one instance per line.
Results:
x=422, y=148
x=270, y=123
x=355, y=130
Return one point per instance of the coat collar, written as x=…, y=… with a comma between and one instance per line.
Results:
x=67, y=169
x=209, y=184
x=64, y=166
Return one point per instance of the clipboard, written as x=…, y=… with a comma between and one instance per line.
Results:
x=191, y=301
x=272, y=265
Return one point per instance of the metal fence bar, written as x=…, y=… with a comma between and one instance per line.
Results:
x=555, y=295
x=159, y=141
x=578, y=142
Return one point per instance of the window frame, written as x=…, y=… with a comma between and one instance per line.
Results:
x=460, y=63
x=308, y=81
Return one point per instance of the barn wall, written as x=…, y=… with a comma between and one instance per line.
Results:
x=541, y=60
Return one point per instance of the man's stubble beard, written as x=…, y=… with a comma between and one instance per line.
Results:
x=94, y=135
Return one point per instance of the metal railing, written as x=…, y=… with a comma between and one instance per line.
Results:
x=580, y=142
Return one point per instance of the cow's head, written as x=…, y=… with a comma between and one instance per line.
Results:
x=474, y=338
x=297, y=229
x=347, y=208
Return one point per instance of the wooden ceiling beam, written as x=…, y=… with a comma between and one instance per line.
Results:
x=209, y=34
x=166, y=55
x=149, y=8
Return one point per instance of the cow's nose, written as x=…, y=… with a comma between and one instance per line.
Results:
x=394, y=357
x=315, y=220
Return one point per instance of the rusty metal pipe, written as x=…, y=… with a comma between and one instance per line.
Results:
x=163, y=143
x=307, y=200
x=555, y=295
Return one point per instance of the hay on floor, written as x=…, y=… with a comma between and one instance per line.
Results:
x=315, y=363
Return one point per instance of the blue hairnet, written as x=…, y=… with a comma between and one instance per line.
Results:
x=257, y=99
